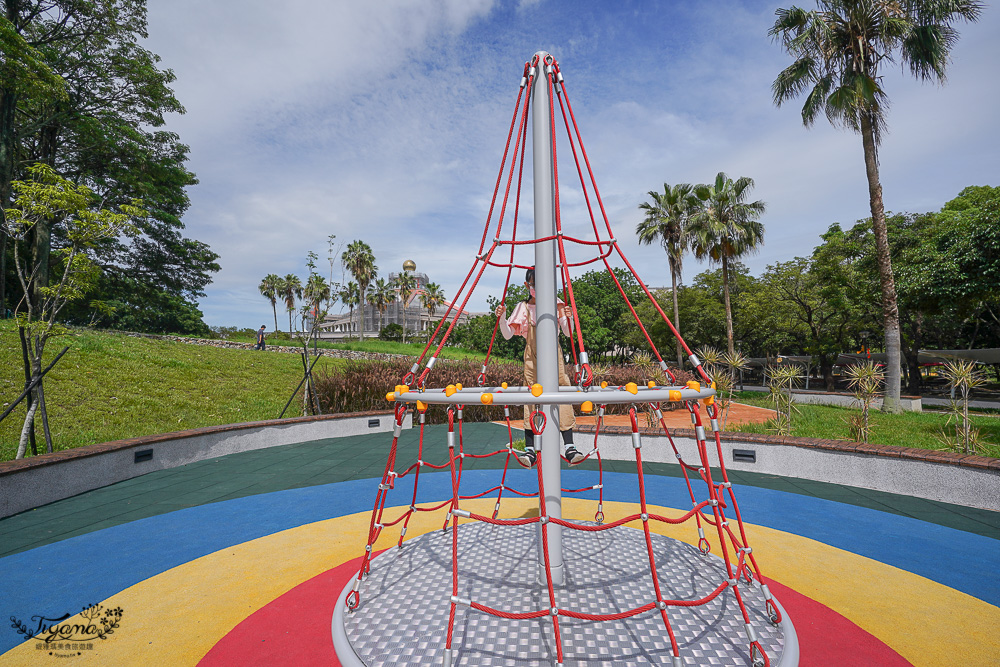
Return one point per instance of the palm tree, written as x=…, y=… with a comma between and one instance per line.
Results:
x=406, y=284
x=380, y=297
x=291, y=287
x=315, y=293
x=838, y=51
x=666, y=219
x=726, y=229
x=349, y=297
x=269, y=289
x=360, y=261
x=432, y=298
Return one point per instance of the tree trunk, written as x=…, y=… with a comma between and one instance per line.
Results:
x=913, y=356
x=890, y=311
x=8, y=104
x=677, y=320
x=729, y=310
x=826, y=369
x=361, y=313
x=274, y=309
x=29, y=421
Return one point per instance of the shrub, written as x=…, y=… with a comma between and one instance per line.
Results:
x=361, y=386
x=393, y=332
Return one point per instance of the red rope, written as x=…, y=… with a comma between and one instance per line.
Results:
x=733, y=540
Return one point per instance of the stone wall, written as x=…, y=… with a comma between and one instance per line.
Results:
x=292, y=349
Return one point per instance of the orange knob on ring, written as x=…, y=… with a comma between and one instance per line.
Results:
x=449, y=390
x=503, y=385
x=421, y=406
x=391, y=396
x=536, y=390
x=674, y=395
x=487, y=399
x=632, y=388
x=458, y=386
x=708, y=401
x=650, y=384
x=694, y=384
x=604, y=384
x=587, y=406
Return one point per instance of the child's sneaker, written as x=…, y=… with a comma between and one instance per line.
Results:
x=574, y=455
x=525, y=458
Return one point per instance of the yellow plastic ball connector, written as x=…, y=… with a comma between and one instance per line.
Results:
x=587, y=406
x=674, y=395
x=651, y=384
x=632, y=388
x=391, y=396
x=421, y=406
x=536, y=390
x=604, y=384
x=693, y=384
x=487, y=399
x=503, y=385
x=449, y=390
x=708, y=401
x=458, y=386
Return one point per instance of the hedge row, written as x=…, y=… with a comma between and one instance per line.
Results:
x=361, y=386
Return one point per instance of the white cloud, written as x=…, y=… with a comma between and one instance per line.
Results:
x=386, y=121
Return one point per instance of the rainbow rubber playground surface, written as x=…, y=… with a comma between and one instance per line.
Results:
x=239, y=559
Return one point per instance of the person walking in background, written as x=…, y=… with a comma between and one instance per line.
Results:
x=522, y=323
x=260, y=338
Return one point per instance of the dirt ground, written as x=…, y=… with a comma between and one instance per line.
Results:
x=738, y=414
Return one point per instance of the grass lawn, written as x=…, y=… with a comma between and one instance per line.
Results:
x=909, y=429
x=110, y=386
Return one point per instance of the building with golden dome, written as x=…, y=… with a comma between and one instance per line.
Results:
x=416, y=317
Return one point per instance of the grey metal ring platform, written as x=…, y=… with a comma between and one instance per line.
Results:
x=405, y=602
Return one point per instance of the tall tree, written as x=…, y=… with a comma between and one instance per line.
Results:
x=726, y=229
x=406, y=284
x=349, y=297
x=360, y=261
x=102, y=132
x=291, y=288
x=432, y=298
x=839, y=50
x=315, y=292
x=666, y=220
x=269, y=288
x=380, y=296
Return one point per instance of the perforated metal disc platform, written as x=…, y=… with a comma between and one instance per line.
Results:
x=403, y=614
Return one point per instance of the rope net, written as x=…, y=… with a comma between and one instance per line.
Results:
x=716, y=511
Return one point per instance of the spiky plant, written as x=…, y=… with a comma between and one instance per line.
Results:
x=781, y=380
x=866, y=380
x=962, y=377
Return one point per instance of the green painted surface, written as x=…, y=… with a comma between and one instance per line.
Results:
x=361, y=457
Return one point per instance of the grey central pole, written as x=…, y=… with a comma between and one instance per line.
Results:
x=547, y=326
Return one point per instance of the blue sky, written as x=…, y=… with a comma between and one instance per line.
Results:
x=385, y=121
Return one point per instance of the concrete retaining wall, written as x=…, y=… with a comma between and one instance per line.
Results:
x=908, y=403
x=40, y=480
x=945, y=481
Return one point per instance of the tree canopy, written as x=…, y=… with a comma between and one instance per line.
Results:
x=89, y=101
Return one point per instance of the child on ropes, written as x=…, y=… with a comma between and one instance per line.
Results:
x=522, y=323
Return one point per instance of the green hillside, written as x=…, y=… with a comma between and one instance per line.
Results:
x=112, y=386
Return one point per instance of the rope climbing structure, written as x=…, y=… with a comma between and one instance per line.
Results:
x=489, y=589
